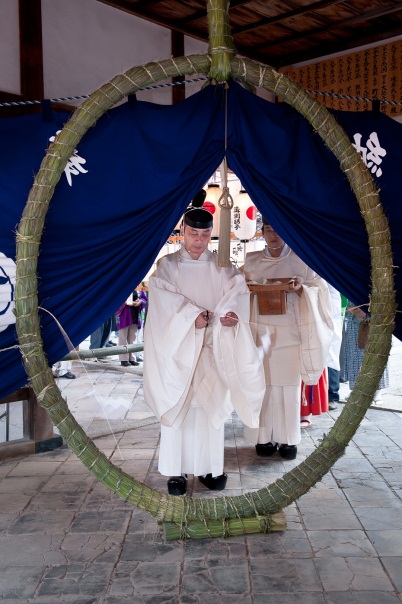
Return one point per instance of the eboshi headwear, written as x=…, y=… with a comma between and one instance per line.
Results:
x=196, y=216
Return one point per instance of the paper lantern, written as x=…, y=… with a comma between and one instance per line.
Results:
x=211, y=204
x=244, y=217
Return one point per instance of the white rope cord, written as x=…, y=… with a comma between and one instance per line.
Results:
x=77, y=98
x=204, y=78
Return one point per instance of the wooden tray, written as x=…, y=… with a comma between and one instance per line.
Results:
x=272, y=296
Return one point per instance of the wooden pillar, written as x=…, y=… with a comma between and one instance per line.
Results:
x=31, y=53
x=31, y=61
x=177, y=44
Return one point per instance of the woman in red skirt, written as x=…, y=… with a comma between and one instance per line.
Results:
x=314, y=400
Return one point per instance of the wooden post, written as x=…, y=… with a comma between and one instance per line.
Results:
x=37, y=428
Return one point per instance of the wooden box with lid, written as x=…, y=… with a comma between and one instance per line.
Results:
x=272, y=295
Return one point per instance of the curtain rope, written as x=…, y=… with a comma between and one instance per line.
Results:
x=225, y=203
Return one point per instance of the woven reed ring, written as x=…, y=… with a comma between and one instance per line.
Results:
x=185, y=511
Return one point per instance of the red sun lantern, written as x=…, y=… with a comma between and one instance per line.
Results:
x=211, y=204
x=244, y=217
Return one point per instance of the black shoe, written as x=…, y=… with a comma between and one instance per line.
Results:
x=110, y=343
x=134, y=363
x=125, y=364
x=265, y=450
x=288, y=451
x=177, y=485
x=217, y=483
x=68, y=376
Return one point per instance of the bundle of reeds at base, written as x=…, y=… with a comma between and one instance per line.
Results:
x=228, y=527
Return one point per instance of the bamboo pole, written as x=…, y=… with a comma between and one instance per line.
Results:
x=75, y=355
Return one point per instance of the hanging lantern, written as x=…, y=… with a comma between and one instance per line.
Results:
x=244, y=217
x=211, y=204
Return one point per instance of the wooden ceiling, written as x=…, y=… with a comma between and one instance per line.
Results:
x=281, y=32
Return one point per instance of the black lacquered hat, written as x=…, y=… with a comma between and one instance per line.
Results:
x=196, y=217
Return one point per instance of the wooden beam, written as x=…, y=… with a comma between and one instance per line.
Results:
x=301, y=10
x=148, y=15
x=375, y=14
x=202, y=13
x=344, y=46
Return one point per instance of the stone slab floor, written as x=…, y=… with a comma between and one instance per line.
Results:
x=65, y=538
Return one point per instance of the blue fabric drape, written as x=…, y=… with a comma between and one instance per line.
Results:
x=143, y=165
x=298, y=185
x=133, y=175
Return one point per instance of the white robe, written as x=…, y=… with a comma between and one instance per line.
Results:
x=333, y=360
x=298, y=343
x=194, y=378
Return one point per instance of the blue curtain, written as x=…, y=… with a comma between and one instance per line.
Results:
x=298, y=185
x=132, y=176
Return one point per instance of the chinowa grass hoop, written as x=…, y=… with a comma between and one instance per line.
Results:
x=258, y=511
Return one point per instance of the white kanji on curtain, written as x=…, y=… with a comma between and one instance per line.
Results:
x=7, y=285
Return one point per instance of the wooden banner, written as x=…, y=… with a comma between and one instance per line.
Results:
x=373, y=73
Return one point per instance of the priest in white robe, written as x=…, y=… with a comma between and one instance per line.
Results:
x=298, y=340
x=201, y=362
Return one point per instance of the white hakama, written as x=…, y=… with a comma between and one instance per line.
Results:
x=298, y=343
x=196, y=447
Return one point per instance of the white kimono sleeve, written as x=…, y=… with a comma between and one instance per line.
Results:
x=172, y=345
x=237, y=357
x=316, y=329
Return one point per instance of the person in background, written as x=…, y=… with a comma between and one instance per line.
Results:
x=140, y=335
x=299, y=342
x=333, y=364
x=128, y=321
x=314, y=399
x=113, y=329
x=201, y=361
x=342, y=351
x=100, y=337
x=353, y=355
x=62, y=369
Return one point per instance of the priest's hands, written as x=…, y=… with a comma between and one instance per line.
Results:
x=229, y=320
x=206, y=317
x=203, y=319
x=298, y=289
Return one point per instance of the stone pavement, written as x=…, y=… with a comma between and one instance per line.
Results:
x=65, y=538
